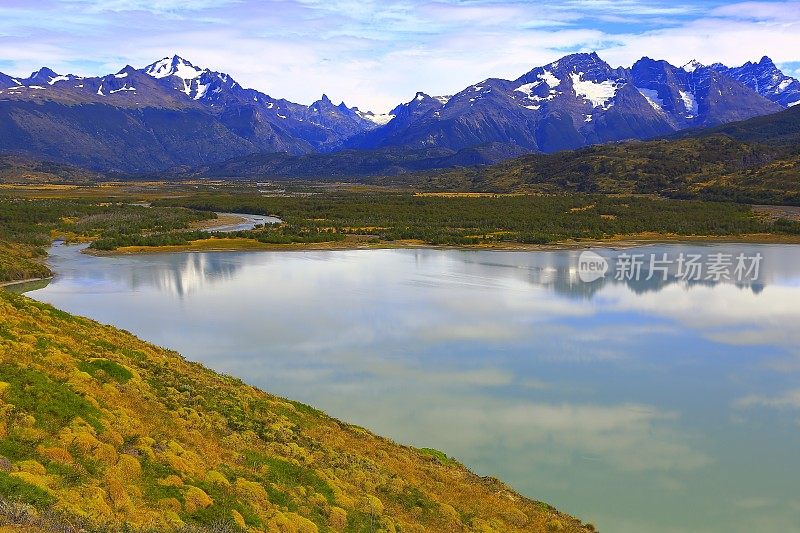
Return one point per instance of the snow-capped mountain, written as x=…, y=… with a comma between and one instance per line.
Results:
x=569, y=103
x=696, y=95
x=766, y=79
x=189, y=114
x=173, y=113
x=196, y=83
x=572, y=102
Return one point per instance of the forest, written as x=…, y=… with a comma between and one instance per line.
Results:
x=462, y=220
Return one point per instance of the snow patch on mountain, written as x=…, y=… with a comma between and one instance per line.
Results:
x=202, y=89
x=527, y=89
x=599, y=94
x=124, y=88
x=692, y=65
x=652, y=98
x=550, y=79
x=689, y=103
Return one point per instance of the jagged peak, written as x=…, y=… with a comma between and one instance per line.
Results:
x=45, y=73
x=174, y=66
x=577, y=58
x=692, y=65
x=766, y=61
x=127, y=69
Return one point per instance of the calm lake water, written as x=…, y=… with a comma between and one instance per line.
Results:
x=650, y=406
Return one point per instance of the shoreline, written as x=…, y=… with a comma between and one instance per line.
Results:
x=4, y=284
x=358, y=243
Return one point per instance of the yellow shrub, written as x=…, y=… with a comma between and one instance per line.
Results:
x=196, y=499
x=337, y=518
x=81, y=438
x=113, y=437
x=116, y=491
x=238, y=519
x=317, y=499
x=173, y=520
x=343, y=499
x=216, y=478
x=372, y=505
x=251, y=491
x=290, y=523
x=449, y=512
x=93, y=504
x=105, y=453
x=304, y=525
x=171, y=481
x=43, y=482
x=183, y=461
x=55, y=453
x=128, y=467
x=516, y=517
x=32, y=467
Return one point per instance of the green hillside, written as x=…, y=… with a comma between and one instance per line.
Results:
x=103, y=432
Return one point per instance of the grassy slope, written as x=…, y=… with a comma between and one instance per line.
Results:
x=100, y=425
x=21, y=261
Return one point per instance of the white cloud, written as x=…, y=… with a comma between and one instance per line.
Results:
x=787, y=400
x=378, y=54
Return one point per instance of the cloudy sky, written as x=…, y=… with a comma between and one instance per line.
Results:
x=377, y=53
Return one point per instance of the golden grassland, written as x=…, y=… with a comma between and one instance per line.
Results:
x=102, y=429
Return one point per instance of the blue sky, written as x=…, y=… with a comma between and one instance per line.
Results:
x=375, y=54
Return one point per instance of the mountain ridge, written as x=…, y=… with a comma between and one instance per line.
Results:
x=172, y=113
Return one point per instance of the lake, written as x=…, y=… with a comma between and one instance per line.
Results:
x=668, y=404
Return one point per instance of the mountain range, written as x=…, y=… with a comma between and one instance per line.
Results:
x=173, y=115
